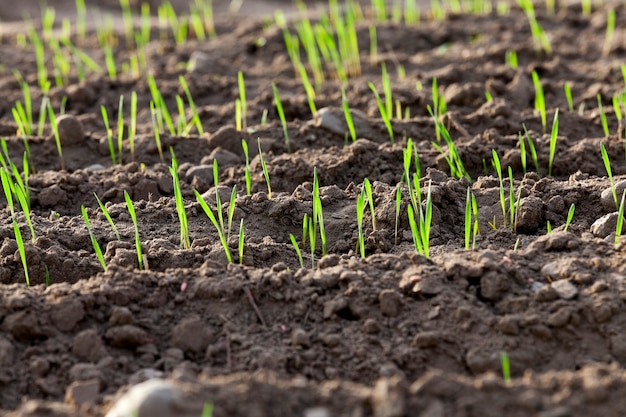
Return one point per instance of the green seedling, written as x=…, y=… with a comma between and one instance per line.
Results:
x=610, y=32
x=457, y=169
x=570, y=216
x=106, y=214
x=468, y=218
x=373, y=44
x=498, y=168
x=533, y=151
x=421, y=229
x=387, y=91
x=506, y=367
x=133, y=216
x=231, y=210
x=297, y=249
x=242, y=99
x=308, y=88
x=195, y=119
x=348, y=115
x=548, y=227
x=398, y=206
x=360, y=211
x=522, y=151
x=618, y=114
x=540, y=103
x=216, y=224
x=383, y=111
x=241, y=241
x=609, y=171
x=266, y=174
x=94, y=241
x=120, y=128
x=553, y=138
x=488, y=96
x=511, y=199
x=21, y=250
x=248, y=174
x=318, y=213
x=510, y=59
x=379, y=8
x=105, y=119
x=603, y=119
x=185, y=242
x=55, y=131
x=540, y=39
x=370, y=200
x=281, y=115
x=156, y=130
x=133, y=125
x=568, y=96
x=620, y=219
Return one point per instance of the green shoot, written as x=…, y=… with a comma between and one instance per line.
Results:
x=281, y=115
x=195, y=120
x=548, y=227
x=105, y=119
x=568, y=96
x=506, y=367
x=348, y=115
x=94, y=241
x=308, y=88
x=511, y=59
x=620, y=219
x=398, y=206
x=185, y=242
x=297, y=248
x=133, y=216
x=241, y=241
x=133, y=125
x=609, y=172
x=553, y=137
x=21, y=249
x=231, y=210
x=522, y=151
x=108, y=217
x=540, y=104
x=216, y=224
x=618, y=115
x=318, y=214
x=421, y=229
x=383, y=111
x=55, y=130
x=511, y=199
x=156, y=130
x=610, y=31
x=242, y=99
x=370, y=200
x=468, y=218
x=570, y=216
x=603, y=119
x=360, y=211
x=120, y=127
x=498, y=167
x=248, y=175
x=533, y=151
x=265, y=172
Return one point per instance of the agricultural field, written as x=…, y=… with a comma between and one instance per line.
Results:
x=229, y=208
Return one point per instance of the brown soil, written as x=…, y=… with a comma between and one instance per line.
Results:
x=393, y=334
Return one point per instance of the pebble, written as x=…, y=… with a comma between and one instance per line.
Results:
x=317, y=412
x=371, y=326
x=565, y=289
x=390, y=302
x=127, y=336
x=81, y=393
x=88, y=346
x=153, y=398
x=70, y=130
x=606, y=198
x=199, y=62
x=605, y=225
x=299, y=337
x=530, y=214
x=333, y=119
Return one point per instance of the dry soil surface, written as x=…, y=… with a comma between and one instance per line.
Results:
x=393, y=334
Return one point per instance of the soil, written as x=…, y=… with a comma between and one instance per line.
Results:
x=394, y=334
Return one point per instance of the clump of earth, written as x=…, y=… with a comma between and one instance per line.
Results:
x=526, y=318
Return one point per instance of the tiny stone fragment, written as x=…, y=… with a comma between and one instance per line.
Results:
x=82, y=393
x=390, y=302
x=70, y=130
x=565, y=289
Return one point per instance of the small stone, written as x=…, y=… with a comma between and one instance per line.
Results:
x=85, y=372
x=427, y=339
x=67, y=314
x=70, y=130
x=52, y=196
x=88, y=346
x=606, y=198
x=227, y=137
x=202, y=174
x=371, y=326
x=127, y=336
x=300, y=338
x=120, y=316
x=329, y=261
x=333, y=120
x=605, y=225
x=388, y=398
x=153, y=398
x=390, y=302
x=82, y=393
x=317, y=412
x=191, y=335
x=199, y=62
x=224, y=158
x=565, y=289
